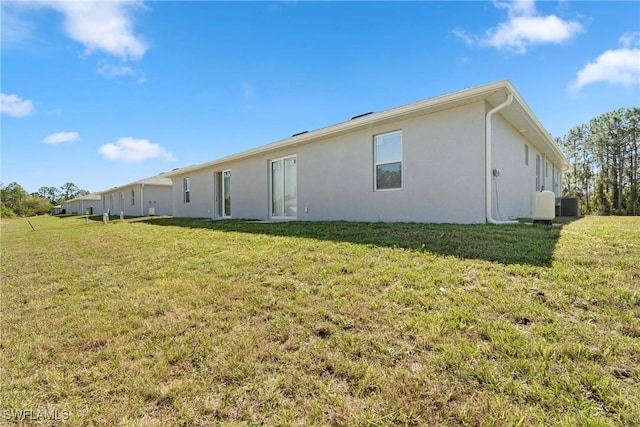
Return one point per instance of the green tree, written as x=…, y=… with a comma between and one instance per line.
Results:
x=12, y=195
x=50, y=193
x=34, y=205
x=69, y=191
x=604, y=169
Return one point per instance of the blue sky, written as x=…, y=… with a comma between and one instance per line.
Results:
x=102, y=94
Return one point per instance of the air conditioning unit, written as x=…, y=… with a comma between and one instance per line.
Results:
x=543, y=207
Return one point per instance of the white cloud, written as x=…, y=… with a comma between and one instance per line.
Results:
x=132, y=150
x=615, y=66
x=60, y=137
x=14, y=29
x=110, y=71
x=13, y=105
x=105, y=26
x=523, y=29
x=630, y=39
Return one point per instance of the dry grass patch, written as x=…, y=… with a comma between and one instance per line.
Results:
x=193, y=322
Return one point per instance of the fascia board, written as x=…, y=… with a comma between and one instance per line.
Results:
x=544, y=137
x=431, y=105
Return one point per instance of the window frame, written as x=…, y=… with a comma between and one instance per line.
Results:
x=224, y=194
x=388, y=162
x=539, y=184
x=283, y=178
x=186, y=190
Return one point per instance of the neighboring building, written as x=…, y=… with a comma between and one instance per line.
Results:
x=83, y=205
x=150, y=196
x=448, y=159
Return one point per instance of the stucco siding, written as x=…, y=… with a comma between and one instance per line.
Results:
x=137, y=204
x=158, y=197
x=442, y=175
x=201, y=204
x=441, y=178
x=511, y=191
x=81, y=207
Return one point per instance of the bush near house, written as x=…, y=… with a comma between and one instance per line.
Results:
x=192, y=322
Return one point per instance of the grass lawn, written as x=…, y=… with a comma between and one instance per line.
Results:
x=163, y=321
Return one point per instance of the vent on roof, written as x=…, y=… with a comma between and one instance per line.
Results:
x=299, y=133
x=361, y=115
x=174, y=169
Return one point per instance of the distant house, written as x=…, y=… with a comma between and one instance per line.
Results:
x=150, y=196
x=472, y=156
x=83, y=205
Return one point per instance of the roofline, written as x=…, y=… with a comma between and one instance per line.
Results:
x=131, y=184
x=542, y=131
x=92, y=196
x=368, y=120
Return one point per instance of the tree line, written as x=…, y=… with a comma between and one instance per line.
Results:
x=604, y=169
x=16, y=201
x=603, y=172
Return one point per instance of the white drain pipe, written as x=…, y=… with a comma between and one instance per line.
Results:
x=487, y=161
x=141, y=199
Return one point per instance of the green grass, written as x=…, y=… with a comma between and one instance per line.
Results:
x=165, y=321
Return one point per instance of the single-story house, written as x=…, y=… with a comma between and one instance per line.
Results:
x=472, y=156
x=149, y=196
x=83, y=205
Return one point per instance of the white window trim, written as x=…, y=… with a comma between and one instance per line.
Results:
x=223, y=195
x=186, y=189
x=375, y=161
x=281, y=159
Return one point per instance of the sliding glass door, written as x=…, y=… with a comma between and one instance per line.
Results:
x=284, y=200
x=226, y=193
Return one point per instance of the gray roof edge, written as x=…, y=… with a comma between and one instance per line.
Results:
x=158, y=180
x=371, y=119
x=92, y=196
x=542, y=131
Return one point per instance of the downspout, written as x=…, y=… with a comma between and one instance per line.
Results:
x=487, y=161
x=141, y=199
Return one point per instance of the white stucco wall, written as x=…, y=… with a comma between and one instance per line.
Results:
x=80, y=206
x=442, y=175
x=160, y=196
x=511, y=191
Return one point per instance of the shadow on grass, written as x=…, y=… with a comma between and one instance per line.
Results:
x=511, y=244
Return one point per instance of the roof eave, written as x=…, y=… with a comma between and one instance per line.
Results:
x=417, y=108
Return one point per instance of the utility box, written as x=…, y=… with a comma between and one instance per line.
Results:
x=570, y=206
x=543, y=207
x=152, y=211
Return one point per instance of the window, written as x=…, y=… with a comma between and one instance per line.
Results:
x=546, y=169
x=526, y=154
x=133, y=197
x=284, y=181
x=538, y=188
x=226, y=193
x=187, y=189
x=388, y=161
